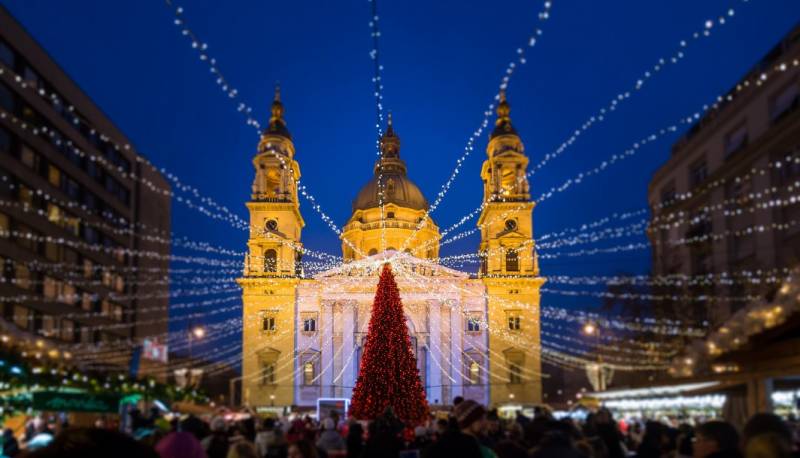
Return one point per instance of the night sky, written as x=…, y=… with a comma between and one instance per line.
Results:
x=443, y=62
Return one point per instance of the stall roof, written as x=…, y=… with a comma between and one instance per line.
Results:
x=655, y=391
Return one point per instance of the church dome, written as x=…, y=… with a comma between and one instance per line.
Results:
x=398, y=189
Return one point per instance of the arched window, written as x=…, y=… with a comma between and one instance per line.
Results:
x=474, y=373
x=298, y=264
x=373, y=252
x=512, y=261
x=267, y=373
x=270, y=261
x=308, y=373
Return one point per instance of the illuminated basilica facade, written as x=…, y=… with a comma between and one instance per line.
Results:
x=474, y=334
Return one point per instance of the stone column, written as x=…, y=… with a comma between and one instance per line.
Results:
x=434, y=359
x=349, y=327
x=456, y=347
x=327, y=349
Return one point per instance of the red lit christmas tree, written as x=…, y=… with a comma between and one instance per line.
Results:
x=388, y=376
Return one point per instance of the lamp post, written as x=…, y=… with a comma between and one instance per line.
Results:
x=593, y=330
x=197, y=332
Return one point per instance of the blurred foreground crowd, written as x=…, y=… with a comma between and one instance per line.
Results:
x=468, y=431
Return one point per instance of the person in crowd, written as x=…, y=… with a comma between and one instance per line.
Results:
x=607, y=430
x=685, y=441
x=716, y=439
x=180, y=445
x=243, y=449
x=494, y=433
x=421, y=438
x=442, y=427
x=194, y=425
x=10, y=444
x=355, y=440
x=654, y=440
x=302, y=449
x=270, y=441
x=94, y=443
x=767, y=445
x=767, y=423
x=329, y=439
x=509, y=449
x=217, y=443
x=383, y=436
x=463, y=442
x=556, y=443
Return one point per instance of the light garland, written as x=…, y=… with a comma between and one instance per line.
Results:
x=520, y=59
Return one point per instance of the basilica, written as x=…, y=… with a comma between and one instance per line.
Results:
x=474, y=334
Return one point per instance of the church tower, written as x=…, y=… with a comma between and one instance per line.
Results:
x=509, y=268
x=272, y=269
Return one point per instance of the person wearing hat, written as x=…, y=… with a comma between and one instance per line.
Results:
x=471, y=419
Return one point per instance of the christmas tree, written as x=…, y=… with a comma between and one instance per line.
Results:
x=388, y=376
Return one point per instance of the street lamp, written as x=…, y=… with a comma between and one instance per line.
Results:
x=196, y=333
x=592, y=329
x=199, y=332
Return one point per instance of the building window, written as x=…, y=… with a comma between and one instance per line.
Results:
x=267, y=373
x=512, y=261
x=372, y=252
x=54, y=175
x=6, y=98
x=5, y=225
x=698, y=172
x=735, y=140
x=308, y=373
x=29, y=157
x=270, y=261
x=514, y=373
x=268, y=324
x=49, y=326
x=310, y=325
x=784, y=103
x=298, y=264
x=21, y=316
x=7, y=55
x=22, y=276
x=473, y=324
x=5, y=140
x=390, y=215
x=514, y=322
x=474, y=373
x=51, y=287
x=668, y=195
x=25, y=195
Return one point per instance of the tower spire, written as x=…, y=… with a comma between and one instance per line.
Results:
x=277, y=125
x=390, y=142
x=503, y=124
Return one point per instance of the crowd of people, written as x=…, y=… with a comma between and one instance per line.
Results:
x=468, y=431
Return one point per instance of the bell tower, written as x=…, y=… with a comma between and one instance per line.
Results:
x=509, y=268
x=273, y=268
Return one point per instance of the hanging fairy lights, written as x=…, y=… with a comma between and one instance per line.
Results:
x=520, y=59
x=662, y=63
x=635, y=147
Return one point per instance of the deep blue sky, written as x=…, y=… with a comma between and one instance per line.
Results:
x=443, y=61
